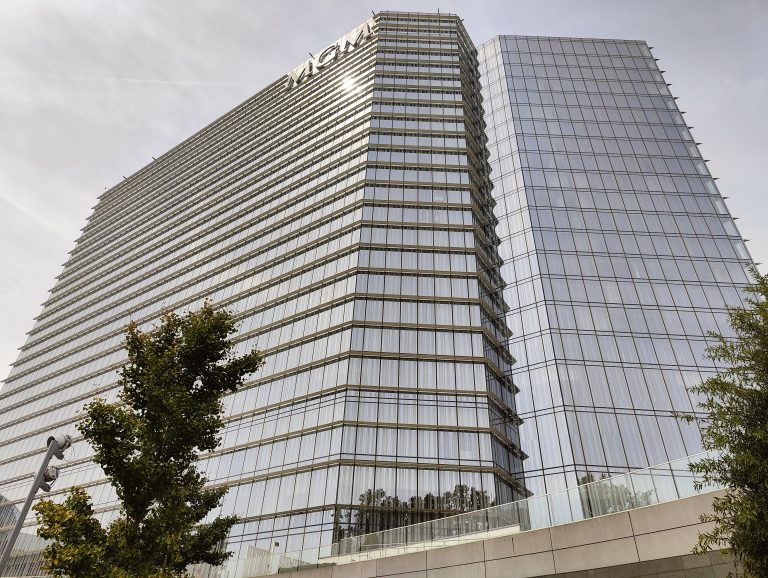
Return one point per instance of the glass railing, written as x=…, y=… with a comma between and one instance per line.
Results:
x=609, y=495
x=654, y=485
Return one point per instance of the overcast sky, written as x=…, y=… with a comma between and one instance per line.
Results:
x=90, y=91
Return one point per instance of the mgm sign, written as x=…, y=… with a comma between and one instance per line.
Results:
x=342, y=46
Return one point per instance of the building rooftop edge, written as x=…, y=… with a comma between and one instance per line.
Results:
x=539, y=37
x=117, y=188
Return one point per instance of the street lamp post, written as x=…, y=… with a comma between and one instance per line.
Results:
x=44, y=479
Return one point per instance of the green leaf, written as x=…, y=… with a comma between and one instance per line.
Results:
x=169, y=410
x=735, y=402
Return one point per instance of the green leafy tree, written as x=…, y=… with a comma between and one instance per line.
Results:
x=735, y=401
x=169, y=410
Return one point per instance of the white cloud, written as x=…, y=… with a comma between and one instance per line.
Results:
x=90, y=90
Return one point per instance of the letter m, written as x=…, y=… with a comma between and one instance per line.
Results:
x=299, y=74
x=354, y=38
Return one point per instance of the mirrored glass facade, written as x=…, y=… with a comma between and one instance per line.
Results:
x=345, y=214
x=619, y=252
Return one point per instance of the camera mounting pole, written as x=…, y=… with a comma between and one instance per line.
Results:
x=45, y=477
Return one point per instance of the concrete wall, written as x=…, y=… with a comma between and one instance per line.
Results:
x=651, y=541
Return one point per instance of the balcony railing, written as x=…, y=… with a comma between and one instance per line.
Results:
x=662, y=483
x=654, y=485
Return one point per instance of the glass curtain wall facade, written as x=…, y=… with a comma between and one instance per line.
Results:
x=344, y=213
x=620, y=253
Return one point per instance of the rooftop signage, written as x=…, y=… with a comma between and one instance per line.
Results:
x=342, y=46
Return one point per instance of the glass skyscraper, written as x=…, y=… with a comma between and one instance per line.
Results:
x=618, y=250
x=345, y=214
x=408, y=250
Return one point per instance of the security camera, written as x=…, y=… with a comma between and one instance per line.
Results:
x=51, y=475
x=63, y=441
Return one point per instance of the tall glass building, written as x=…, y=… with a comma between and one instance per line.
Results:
x=345, y=214
x=619, y=252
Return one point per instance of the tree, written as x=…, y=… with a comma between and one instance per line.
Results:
x=169, y=409
x=735, y=401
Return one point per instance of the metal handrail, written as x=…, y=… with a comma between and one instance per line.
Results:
x=657, y=484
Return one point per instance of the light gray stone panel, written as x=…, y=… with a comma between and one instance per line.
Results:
x=591, y=531
x=518, y=545
x=703, y=572
x=455, y=555
x=326, y=572
x=502, y=547
x=526, y=566
x=722, y=570
x=401, y=564
x=589, y=556
x=463, y=571
x=355, y=570
x=696, y=561
x=671, y=514
x=532, y=542
x=674, y=542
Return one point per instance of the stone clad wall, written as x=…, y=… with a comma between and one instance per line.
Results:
x=654, y=541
